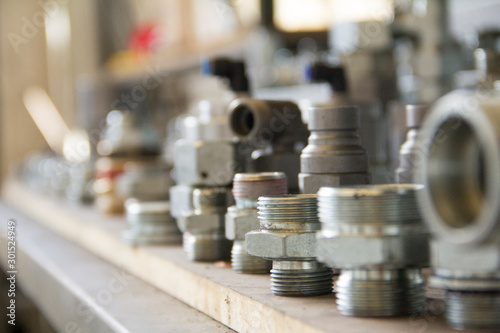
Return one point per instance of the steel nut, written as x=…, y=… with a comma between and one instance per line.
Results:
x=353, y=252
x=207, y=163
x=484, y=258
x=239, y=222
x=180, y=199
x=279, y=246
x=199, y=223
x=311, y=183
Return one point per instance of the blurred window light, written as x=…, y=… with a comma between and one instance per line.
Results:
x=46, y=117
x=361, y=10
x=299, y=15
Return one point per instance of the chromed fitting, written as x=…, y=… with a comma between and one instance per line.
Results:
x=460, y=204
x=150, y=223
x=411, y=152
x=272, y=135
x=287, y=236
x=242, y=217
x=375, y=235
x=203, y=227
x=334, y=155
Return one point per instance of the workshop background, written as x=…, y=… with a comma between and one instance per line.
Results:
x=94, y=89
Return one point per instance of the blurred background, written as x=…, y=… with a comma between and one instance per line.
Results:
x=85, y=58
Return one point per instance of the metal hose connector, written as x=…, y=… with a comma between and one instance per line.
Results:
x=150, y=223
x=288, y=225
x=204, y=236
x=242, y=218
x=376, y=237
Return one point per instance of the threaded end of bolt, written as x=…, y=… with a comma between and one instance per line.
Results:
x=210, y=200
x=473, y=310
x=385, y=204
x=247, y=264
x=210, y=247
x=251, y=186
x=382, y=293
x=300, y=278
x=295, y=213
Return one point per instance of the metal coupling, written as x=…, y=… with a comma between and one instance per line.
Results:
x=150, y=223
x=334, y=155
x=375, y=236
x=287, y=236
x=460, y=204
x=203, y=226
x=242, y=217
x=411, y=152
x=272, y=135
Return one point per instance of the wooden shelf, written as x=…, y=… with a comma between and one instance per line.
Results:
x=79, y=292
x=242, y=302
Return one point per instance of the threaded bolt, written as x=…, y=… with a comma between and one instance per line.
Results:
x=287, y=236
x=242, y=218
x=364, y=232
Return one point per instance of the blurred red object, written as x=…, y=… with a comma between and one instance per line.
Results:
x=144, y=38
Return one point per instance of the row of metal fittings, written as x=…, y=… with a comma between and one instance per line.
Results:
x=373, y=240
x=231, y=200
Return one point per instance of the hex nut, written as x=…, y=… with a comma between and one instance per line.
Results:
x=353, y=252
x=452, y=257
x=281, y=245
x=204, y=163
x=200, y=223
x=180, y=199
x=311, y=183
x=240, y=221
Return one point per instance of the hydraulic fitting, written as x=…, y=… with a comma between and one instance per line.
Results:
x=375, y=236
x=242, y=217
x=272, y=135
x=150, y=223
x=287, y=236
x=411, y=152
x=334, y=155
x=203, y=226
x=145, y=181
x=460, y=204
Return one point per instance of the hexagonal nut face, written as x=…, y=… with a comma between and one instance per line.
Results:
x=311, y=183
x=209, y=163
x=180, y=199
x=239, y=222
x=200, y=223
x=355, y=252
x=279, y=246
x=484, y=259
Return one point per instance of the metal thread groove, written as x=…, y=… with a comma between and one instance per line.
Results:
x=247, y=264
x=364, y=296
x=473, y=310
x=301, y=282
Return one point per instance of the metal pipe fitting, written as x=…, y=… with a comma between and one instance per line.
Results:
x=242, y=217
x=272, y=135
x=410, y=154
x=203, y=226
x=150, y=223
x=460, y=204
x=287, y=236
x=334, y=155
x=375, y=235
